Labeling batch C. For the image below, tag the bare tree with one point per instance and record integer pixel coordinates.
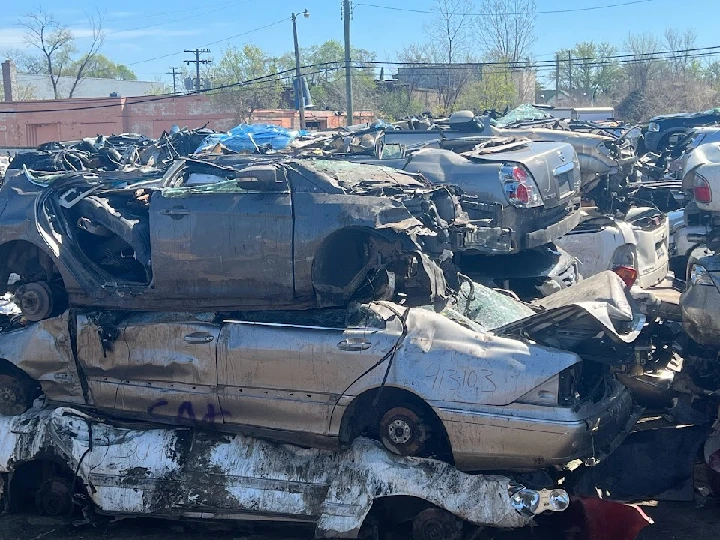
(679, 45)
(507, 29)
(56, 44)
(643, 62)
(441, 63)
(450, 30)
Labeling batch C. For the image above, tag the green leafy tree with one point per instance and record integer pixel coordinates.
(496, 90)
(325, 75)
(100, 66)
(245, 80)
(588, 70)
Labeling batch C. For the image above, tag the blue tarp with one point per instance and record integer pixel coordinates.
(247, 137)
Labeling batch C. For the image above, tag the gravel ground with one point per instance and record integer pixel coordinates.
(673, 521)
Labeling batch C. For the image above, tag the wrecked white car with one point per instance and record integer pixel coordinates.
(639, 243)
(423, 383)
(55, 458)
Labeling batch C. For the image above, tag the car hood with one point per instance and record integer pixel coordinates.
(597, 308)
(438, 348)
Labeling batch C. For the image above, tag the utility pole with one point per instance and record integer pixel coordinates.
(299, 86)
(197, 63)
(570, 73)
(557, 79)
(175, 72)
(347, 14)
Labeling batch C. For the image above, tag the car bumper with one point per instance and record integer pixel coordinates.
(483, 441)
(553, 232)
(700, 306)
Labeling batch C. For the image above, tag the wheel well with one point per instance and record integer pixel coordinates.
(362, 416)
(352, 247)
(8, 368)
(27, 260)
(26, 478)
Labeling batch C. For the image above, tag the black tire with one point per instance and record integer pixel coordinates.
(35, 300)
(437, 524)
(678, 266)
(404, 431)
(55, 497)
(16, 395)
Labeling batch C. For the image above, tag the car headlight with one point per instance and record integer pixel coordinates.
(548, 393)
(699, 275)
(530, 502)
(653, 126)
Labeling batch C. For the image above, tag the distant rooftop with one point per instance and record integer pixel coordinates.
(39, 87)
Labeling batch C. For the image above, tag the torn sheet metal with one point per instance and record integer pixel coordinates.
(44, 352)
(595, 307)
(178, 473)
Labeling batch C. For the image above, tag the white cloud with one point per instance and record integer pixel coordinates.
(146, 32)
(122, 14)
(12, 37)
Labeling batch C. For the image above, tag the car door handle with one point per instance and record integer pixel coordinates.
(176, 212)
(354, 344)
(199, 338)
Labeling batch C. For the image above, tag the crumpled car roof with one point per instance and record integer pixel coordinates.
(353, 176)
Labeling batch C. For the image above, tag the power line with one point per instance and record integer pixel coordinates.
(272, 79)
(545, 12)
(211, 43)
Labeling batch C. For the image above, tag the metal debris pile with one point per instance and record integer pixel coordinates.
(438, 323)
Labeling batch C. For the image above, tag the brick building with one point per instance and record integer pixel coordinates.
(30, 123)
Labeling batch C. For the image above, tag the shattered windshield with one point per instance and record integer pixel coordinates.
(480, 308)
(522, 113)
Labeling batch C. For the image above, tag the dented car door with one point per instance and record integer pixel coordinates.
(156, 366)
(224, 238)
(288, 377)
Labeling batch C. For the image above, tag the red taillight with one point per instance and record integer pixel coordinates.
(522, 194)
(627, 274)
(701, 189)
(519, 187)
(519, 174)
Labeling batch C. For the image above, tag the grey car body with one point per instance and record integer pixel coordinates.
(700, 303)
(600, 157)
(508, 398)
(475, 164)
(213, 236)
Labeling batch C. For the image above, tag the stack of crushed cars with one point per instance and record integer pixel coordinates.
(297, 313)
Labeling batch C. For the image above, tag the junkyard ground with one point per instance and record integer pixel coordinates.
(673, 521)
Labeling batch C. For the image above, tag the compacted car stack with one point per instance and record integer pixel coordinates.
(340, 303)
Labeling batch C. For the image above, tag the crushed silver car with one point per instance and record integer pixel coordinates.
(533, 392)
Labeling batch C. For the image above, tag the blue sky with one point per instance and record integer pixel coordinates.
(141, 31)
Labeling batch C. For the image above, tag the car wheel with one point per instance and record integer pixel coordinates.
(403, 431)
(55, 497)
(16, 396)
(437, 524)
(35, 300)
